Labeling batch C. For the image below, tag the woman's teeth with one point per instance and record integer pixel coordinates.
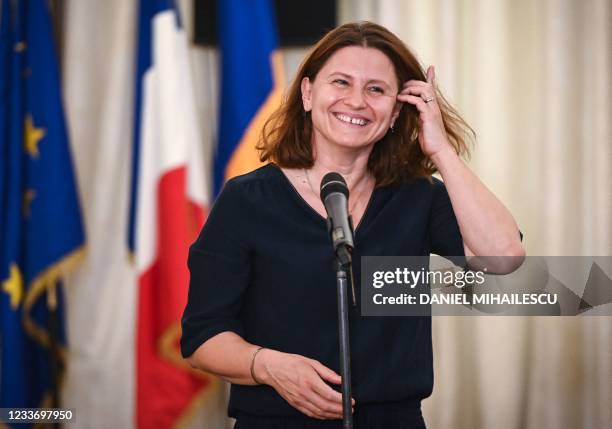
(355, 121)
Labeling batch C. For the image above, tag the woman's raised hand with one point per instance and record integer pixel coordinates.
(432, 135)
(301, 381)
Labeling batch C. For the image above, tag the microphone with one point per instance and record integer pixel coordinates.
(334, 194)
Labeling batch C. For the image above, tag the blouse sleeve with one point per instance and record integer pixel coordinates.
(444, 231)
(219, 271)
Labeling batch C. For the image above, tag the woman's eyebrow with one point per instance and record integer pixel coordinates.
(348, 76)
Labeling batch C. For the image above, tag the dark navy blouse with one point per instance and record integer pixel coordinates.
(262, 267)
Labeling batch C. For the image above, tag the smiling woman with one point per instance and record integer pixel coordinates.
(262, 311)
(353, 101)
(381, 64)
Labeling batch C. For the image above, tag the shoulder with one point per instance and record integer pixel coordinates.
(245, 183)
(254, 188)
(437, 186)
(239, 195)
(424, 195)
(263, 175)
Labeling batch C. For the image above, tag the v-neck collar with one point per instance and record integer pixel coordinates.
(311, 210)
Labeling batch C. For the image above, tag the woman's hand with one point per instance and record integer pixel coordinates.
(432, 135)
(301, 382)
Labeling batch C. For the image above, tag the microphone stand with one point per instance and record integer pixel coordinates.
(343, 267)
(340, 229)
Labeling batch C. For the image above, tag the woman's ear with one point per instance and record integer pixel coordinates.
(395, 114)
(306, 94)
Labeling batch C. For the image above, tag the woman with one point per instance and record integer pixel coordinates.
(262, 311)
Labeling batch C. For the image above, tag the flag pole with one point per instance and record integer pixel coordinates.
(53, 344)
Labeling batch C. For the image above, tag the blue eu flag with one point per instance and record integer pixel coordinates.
(41, 235)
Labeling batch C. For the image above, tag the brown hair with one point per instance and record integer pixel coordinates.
(286, 136)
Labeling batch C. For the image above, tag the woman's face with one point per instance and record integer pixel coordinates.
(352, 99)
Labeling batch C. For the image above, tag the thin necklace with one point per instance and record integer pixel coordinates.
(355, 198)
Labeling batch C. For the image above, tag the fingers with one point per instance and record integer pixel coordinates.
(421, 94)
(431, 75)
(325, 407)
(316, 399)
(416, 101)
(324, 396)
(325, 404)
(422, 89)
(418, 83)
(311, 409)
(302, 383)
(323, 389)
(326, 392)
(325, 373)
(308, 407)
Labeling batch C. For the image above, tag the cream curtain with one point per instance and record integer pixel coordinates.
(532, 78)
(99, 40)
(97, 67)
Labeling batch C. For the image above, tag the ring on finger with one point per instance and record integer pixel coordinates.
(428, 99)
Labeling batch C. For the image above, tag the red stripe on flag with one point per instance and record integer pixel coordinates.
(165, 383)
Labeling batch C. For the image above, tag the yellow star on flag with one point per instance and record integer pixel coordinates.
(32, 137)
(28, 197)
(20, 46)
(14, 286)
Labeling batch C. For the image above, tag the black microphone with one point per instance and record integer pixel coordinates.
(334, 194)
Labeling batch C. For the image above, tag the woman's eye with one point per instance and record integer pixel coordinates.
(340, 82)
(377, 89)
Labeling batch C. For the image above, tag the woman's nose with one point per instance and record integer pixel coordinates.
(356, 98)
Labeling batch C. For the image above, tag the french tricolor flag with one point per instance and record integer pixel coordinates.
(170, 196)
